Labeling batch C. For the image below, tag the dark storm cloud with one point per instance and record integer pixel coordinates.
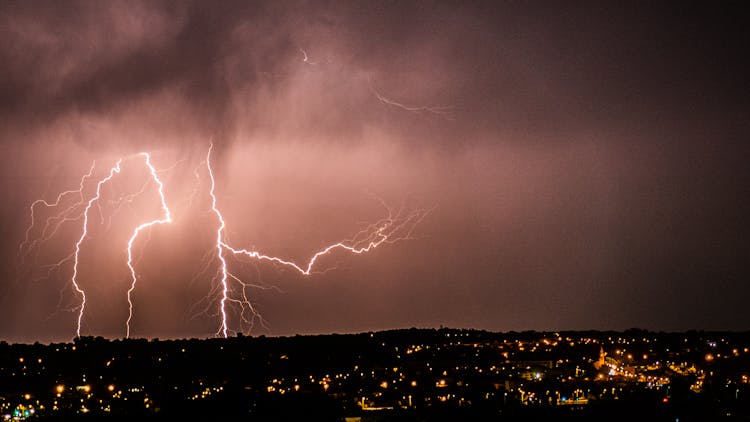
(502, 69)
(588, 160)
(96, 59)
(212, 61)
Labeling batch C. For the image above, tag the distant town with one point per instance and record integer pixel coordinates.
(410, 374)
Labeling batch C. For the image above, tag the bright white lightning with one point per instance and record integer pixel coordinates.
(219, 243)
(375, 239)
(74, 279)
(391, 229)
(166, 219)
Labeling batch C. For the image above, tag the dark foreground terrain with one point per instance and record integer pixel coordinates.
(400, 375)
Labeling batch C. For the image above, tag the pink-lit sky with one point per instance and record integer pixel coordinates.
(586, 163)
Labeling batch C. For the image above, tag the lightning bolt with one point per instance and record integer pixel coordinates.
(442, 111)
(74, 279)
(396, 226)
(378, 236)
(391, 229)
(63, 216)
(165, 220)
(219, 243)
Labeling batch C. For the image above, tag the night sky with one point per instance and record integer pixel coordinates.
(585, 163)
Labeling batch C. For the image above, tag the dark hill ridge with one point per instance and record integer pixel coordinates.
(427, 374)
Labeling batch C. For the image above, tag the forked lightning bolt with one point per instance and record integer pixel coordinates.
(84, 232)
(393, 228)
(166, 219)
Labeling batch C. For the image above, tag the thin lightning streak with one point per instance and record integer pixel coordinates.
(62, 217)
(305, 58)
(121, 202)
(246, 304)
(443, 111)
(167, 219)
(74, 279)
